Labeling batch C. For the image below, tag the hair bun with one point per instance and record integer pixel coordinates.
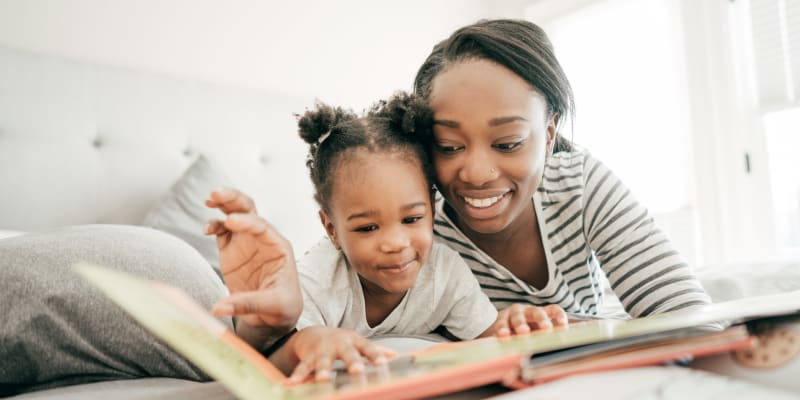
(407, 113)
(321, 120)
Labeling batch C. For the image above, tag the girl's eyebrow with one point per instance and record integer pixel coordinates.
(446, 122)
(363, 214)
(368, 213)
(492, 122)
(415, 205)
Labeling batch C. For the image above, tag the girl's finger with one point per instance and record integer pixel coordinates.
(215, 227)
(375, 354)
(230, 200)
(302, 370)
(322, 367)
(351, 358)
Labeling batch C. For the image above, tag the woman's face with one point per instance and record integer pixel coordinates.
(492, 133)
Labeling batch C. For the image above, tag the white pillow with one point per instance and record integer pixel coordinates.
(182, 211)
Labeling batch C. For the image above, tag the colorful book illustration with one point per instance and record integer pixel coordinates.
(517, 361)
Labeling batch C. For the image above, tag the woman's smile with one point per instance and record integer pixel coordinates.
(486, 205)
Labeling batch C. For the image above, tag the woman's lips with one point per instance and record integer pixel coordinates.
(485, 207)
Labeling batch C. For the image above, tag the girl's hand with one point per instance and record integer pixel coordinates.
(525, 318)
(257, 266)
(317, 347)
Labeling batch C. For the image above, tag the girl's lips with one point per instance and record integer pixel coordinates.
(397, 268)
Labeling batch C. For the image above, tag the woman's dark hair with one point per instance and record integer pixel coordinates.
(398, 125)
(518, 45)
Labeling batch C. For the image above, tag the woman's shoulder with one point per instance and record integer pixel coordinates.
(564, 171)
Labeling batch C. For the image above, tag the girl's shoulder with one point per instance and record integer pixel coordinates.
(322, 265)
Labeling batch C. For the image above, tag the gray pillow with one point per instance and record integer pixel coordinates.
(57, 330)
(182, 211)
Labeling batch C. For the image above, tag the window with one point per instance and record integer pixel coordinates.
(772, 55)
(624, 59)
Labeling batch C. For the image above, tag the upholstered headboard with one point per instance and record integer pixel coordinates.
(82, 143)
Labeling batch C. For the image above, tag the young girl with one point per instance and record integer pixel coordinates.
(380, 272)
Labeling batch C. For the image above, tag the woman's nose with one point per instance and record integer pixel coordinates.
(478, 169)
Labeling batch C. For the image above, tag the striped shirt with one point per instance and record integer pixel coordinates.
(592, 229)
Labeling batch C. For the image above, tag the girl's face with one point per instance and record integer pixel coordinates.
(492, 133)
(381, 218)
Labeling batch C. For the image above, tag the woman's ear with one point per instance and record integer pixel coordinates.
(330, 229)
(552, 132)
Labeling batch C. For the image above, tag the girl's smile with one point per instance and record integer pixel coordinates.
(381, 217)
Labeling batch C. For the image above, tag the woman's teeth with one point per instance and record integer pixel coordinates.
(483, 203)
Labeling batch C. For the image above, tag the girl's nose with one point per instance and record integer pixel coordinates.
(394, 240)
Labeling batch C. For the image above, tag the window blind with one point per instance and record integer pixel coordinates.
(775, 27)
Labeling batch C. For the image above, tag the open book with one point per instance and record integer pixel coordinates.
(517, 361)
(181, 323)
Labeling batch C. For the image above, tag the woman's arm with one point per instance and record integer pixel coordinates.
(644, 269)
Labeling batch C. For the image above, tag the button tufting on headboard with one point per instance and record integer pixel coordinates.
(153, 127)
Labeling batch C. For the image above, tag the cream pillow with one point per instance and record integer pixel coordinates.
(182, 211)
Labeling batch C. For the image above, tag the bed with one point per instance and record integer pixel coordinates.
(105, 157)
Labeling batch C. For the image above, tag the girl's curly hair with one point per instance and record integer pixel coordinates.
(403, 125)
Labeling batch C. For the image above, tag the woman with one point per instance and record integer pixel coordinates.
(536, 219)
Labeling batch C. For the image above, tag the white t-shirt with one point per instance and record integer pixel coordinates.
(445, 294)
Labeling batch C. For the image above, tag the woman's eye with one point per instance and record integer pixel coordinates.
(367, 228)
(507, 147)
(447, 149)
(411, 220)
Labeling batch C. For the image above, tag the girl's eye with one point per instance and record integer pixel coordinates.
(508, 147)
(367, 228)
(448, 149)
(411, 220)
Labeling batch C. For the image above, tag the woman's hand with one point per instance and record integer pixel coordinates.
(258, 267)
(314, 349)
(525, 318)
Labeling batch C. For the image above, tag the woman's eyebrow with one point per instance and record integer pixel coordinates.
(492, 122)
(505, 120)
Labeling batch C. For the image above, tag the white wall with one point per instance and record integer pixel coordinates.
(349, 52)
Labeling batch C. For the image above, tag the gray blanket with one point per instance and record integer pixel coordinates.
(57, 330)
